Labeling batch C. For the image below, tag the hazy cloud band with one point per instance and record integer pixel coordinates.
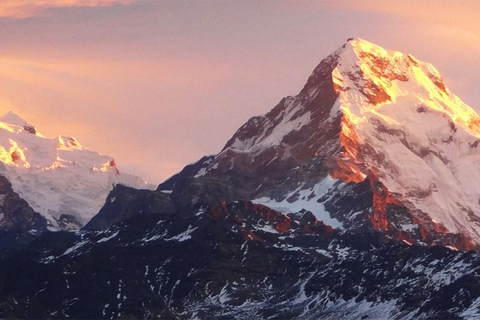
(26, 8)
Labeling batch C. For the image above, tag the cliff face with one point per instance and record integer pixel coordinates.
(16, 214)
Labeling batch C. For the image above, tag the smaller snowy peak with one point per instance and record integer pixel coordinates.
(13, 122)
(59, 178)
(13, 118)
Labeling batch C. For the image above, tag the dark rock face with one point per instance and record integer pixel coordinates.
(124, 202)
(15, 213)
(233, 261)
(30, 129)
(351, 204)
(19, 223)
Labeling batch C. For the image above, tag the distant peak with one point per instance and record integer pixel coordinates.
(12, 118)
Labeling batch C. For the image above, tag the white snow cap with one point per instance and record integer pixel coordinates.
(57, 176)
(13, 119)
(419, 139)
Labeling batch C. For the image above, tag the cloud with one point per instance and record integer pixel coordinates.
(19, 9)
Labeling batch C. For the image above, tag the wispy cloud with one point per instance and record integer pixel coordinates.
(18, 9)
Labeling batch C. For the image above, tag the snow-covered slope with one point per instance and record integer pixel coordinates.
(59, 178)
(402, 127)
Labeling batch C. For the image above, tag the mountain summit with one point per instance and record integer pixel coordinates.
(402, 128)
(13, 119)
(368, 121)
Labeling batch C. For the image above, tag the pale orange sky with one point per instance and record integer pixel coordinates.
(158, 84)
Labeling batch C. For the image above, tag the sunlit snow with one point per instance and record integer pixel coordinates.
(57, 176)
(424, 138)
(306, 201)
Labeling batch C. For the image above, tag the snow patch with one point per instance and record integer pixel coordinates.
(306, 201)
(105, 239)
(184, 235)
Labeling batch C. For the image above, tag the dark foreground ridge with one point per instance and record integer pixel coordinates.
(230, 261)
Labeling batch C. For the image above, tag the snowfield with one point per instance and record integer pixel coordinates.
(59, 178)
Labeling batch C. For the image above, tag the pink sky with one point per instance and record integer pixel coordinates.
(158, 84)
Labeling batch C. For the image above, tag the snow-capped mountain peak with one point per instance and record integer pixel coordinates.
(59, 178)
(384, 77)
(367, 116)
(14, 119)
(402, 127)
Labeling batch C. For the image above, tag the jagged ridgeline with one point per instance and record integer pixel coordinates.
(358, 198)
